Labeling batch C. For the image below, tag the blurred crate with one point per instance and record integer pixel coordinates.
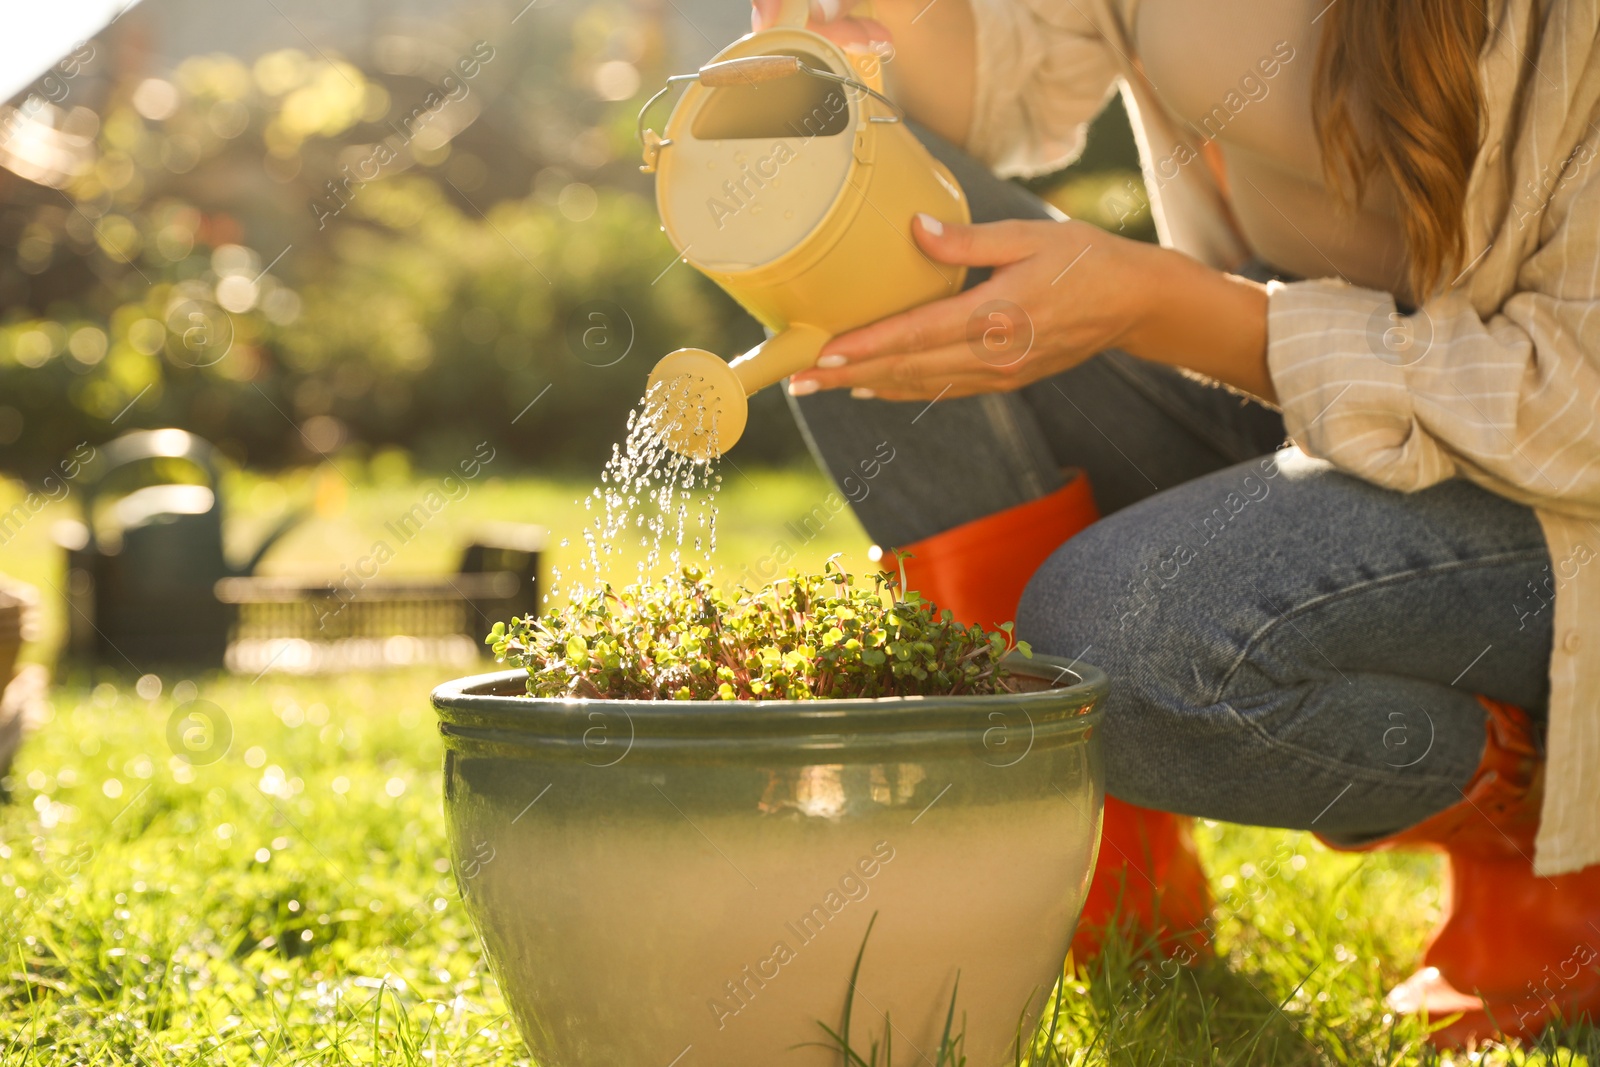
(21, 692)
(19, 615)
(312, 625)
(272, 608)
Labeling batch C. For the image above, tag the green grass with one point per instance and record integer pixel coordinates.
(293, 902)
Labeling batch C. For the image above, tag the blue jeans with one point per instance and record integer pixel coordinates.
(1288, 645)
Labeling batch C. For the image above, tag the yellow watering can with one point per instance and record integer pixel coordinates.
(785, 176)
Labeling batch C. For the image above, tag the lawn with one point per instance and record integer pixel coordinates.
(293, 901)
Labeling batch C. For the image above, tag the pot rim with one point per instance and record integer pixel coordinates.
(495, 708)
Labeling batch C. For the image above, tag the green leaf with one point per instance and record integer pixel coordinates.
(805, 637)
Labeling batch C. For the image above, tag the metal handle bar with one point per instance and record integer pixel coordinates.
(753, 70)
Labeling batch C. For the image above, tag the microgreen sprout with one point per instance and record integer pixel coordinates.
(803, 637)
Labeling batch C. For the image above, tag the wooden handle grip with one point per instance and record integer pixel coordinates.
(749, 70)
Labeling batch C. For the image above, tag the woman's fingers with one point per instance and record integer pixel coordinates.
(910, 374)
(943, 322)
(983, 244)
(1011, 329)
(853, 34)
(936, 388)
(763, 13)
(952, 389)
(824, 17)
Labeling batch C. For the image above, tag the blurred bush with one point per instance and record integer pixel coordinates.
(218, 259)
(438, 331)
(222, 265)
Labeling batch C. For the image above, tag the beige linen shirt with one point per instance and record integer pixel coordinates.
(1496, 379)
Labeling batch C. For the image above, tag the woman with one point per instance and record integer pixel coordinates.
(1385, 633)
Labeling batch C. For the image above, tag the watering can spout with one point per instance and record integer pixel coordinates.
(698, 400)
(787, 352)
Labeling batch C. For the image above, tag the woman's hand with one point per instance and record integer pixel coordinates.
(1060, 293)
(828, 18)
(926, 51)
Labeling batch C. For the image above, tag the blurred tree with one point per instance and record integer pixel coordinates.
(297, 256)
(301, 254)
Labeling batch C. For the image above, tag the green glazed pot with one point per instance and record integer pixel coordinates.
(688, 883)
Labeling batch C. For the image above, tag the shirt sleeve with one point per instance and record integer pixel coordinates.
(1510, 399)
(1043, 73)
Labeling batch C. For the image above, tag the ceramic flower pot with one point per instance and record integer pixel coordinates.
(689, 883)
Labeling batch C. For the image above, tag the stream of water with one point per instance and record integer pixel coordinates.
(651, 492)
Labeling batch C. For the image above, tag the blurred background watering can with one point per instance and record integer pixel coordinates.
(141, 574)
(786, 177)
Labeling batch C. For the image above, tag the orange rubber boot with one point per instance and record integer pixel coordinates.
(1515, 950)
(1149, 880)
(1148, 871)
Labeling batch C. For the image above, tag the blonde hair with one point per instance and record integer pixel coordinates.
(1397, 93)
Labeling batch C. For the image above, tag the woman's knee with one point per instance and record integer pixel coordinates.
(1089, 603)
(1067, 602)
(1097, 597)
(1165, 591)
